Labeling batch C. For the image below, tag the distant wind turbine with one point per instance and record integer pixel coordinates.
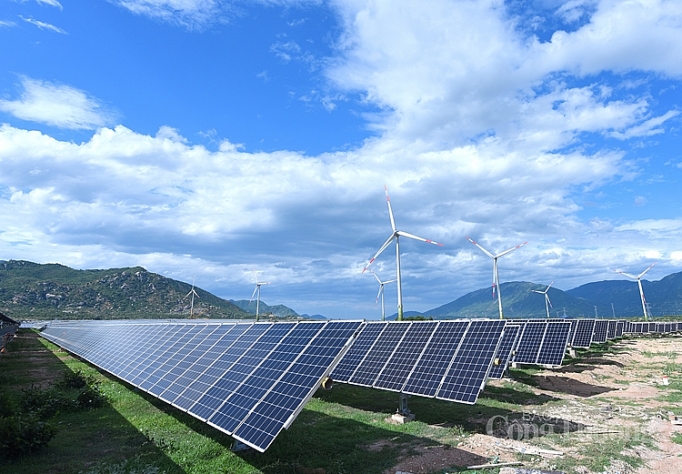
(395, 235)
(496, 276)
(193, 293)
(381, 293)
(547, 302)
(641, 291)
(256, 291)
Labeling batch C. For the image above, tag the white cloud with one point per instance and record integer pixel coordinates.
(57, 105)
(44, 26)
(52, 3)
(647, 128)
(7, 24)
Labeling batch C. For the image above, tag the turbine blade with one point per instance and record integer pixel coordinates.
(549, 301)
(383, 247)
(484, 250)
(411, 236)
(510, 250)
(381, 288)
(627, 275)
(390, 211)
(375, 276)
(253, 294)
(390, 281)
(550, 285)
(642, 274)
(536, 291)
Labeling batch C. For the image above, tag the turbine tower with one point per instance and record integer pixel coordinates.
(256, 291)
(547, 302)
(496, 276)
(381, 293)
(641, 291)
(193, 293)
(395, 235)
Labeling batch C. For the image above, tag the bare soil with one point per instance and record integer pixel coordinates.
(595, 402)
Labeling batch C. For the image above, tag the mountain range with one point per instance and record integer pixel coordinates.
(51, 291)
(608, 298)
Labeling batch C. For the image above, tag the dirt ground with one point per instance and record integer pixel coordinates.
(600, 401)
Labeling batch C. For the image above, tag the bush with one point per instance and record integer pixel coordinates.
(44, 403)
(21, 435)
(75, 380)
(90, 397)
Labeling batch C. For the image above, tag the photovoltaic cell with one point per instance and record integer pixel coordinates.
(620, 325)
(511, 335)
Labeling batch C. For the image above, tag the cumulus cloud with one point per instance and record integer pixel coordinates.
(57, 105)
(482, 130)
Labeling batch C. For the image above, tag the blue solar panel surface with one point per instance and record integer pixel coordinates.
(249, 380)
(507, 344)
(583, 333)
(554, 344)
(530, 341)
(600, 331)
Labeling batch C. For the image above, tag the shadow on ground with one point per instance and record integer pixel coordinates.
(91, 441)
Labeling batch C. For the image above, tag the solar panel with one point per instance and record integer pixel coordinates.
(363, 343)
(583, 333)
(620, 326)
(249, 380)
(554, 344)
(600, 331)
(504, 354)
(529, 342)
(611, 329)
(399, 366)
(381, 351)
(469, 369)
(427, 373)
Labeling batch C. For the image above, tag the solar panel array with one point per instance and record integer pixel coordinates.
(449, 360)
(248, 380)
(251, 380)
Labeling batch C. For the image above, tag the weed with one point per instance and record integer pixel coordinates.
(677, 438)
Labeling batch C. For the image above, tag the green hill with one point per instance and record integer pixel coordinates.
(53, 291)
(279, 310)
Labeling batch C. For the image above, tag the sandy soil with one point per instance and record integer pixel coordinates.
(611, 396)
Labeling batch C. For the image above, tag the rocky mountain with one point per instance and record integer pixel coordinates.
(279, 311)
(52, 291)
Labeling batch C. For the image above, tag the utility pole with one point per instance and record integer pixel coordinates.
(595, 312)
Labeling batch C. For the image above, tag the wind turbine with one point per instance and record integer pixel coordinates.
(193, 293)
(496, 276)
(381, 293)
(395, 235)
(641, 291)
(256, 290)
(547, 302)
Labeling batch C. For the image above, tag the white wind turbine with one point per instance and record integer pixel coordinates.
(395, 235)
(256, 291)
(496, 276)
(547, 302)
(641, 291)
(193, 293)
(381, 293)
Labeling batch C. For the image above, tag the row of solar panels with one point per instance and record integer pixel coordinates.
(251, 380)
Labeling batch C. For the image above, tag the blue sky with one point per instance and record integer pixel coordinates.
(212, 139)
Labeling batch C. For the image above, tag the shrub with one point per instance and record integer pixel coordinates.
(90, 397)
(21, 435)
